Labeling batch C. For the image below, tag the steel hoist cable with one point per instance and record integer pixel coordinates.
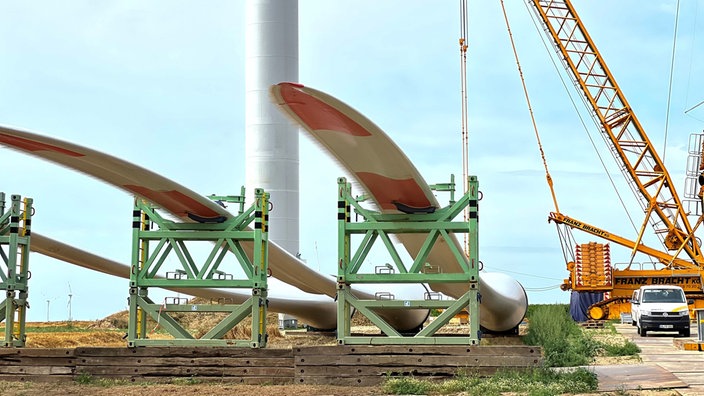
(464, 44)
(581, 119)
(669, 89)
(530, 108)
(566, 237)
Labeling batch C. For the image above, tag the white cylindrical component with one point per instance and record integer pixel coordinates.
(504, 301)
(271, 141)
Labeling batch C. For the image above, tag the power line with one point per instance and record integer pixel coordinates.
(542, 289)
(530, 275)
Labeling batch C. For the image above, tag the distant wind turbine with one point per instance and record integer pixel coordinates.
(70, 295)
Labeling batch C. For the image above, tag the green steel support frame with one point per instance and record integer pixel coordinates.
(15, 232)
(150, 248)
(374, 226)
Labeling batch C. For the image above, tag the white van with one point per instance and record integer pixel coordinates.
(660, 308)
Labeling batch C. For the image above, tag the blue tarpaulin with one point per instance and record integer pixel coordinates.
(580, 301)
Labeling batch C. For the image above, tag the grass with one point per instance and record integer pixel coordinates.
(64, 329)
(86, 379)
(538, 381)
(564, 343)
(186, 381)
(627, 349)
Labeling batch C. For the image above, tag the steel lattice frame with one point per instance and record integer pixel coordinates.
(642, 167)
(150, 248)
(15, 234)
(376, 226)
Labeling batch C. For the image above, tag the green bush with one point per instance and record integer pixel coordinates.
(84, 378)
(563, 342)
(627, 349)
(407, 386)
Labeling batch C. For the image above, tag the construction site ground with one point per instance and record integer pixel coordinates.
(663, 364)
(661, 369)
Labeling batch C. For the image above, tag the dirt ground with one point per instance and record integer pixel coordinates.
(36, 389)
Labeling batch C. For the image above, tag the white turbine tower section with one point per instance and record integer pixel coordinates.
(271, 142)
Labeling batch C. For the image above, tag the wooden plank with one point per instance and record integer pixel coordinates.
(334, 365)
(180, 361)
(341, 381)
(491, 350)
(663, 358)
(659, 350)
(36, 370)
(693, 390)
(684, 367)
(205, 379)
(54, 378)
(367, 370)
(16, 360)
(38, 352)
(693, 378)
(351, 381)
(415, 360)
(187, 371)
(183, 352)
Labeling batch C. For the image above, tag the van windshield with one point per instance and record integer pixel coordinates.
(663, 295)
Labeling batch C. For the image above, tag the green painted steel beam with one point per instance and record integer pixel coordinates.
(3, 314)
(422, 256)
(15, 227)
(406, 340)
(450, 311)
(159, 315)
(372, 316)
(416, 226)
(201, 283)
(254, 307)
(171, 244)
(193, 235)
(456, 277)
(190, 343)
(373, 226)
(408, 304)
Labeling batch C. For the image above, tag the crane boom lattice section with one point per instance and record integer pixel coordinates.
(634, 153)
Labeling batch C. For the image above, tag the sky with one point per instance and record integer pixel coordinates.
(161, 84)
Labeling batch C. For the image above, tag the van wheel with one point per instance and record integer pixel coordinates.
(642, 331)
(633, 323)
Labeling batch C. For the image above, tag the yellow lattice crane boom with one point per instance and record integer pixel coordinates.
(661, 256)
(627, 140)
(635, 155)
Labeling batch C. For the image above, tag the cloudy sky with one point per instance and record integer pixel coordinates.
(161, 84)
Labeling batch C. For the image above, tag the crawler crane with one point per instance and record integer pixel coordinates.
(643, 170)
